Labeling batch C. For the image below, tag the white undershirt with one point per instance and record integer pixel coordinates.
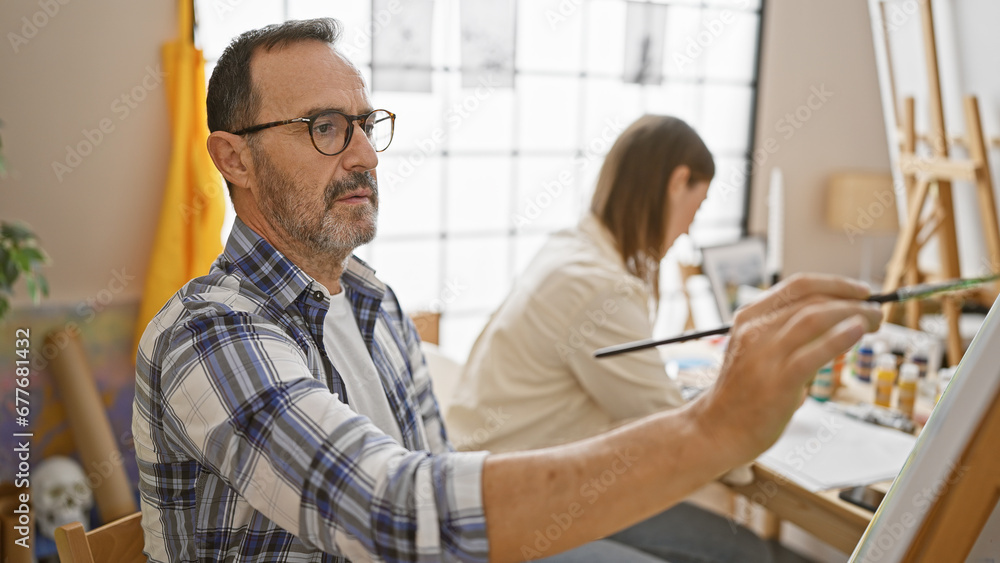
(348, 353)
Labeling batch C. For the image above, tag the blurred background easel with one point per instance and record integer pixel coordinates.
(929, 177)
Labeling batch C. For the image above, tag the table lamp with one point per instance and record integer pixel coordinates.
(862, 205)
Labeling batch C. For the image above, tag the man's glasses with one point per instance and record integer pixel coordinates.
(331, 130)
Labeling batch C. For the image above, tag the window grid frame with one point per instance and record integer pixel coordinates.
(512, 233)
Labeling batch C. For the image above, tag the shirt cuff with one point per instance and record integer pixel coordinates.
(460, 521)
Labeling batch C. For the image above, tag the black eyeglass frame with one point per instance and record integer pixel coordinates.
(310, 119)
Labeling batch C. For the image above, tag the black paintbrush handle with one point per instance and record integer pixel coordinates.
(917, 291)
(653, 342)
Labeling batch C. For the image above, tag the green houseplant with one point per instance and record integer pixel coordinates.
(20, 255)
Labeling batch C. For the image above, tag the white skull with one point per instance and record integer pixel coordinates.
(60, 495)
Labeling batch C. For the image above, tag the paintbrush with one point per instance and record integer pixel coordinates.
(920, 291)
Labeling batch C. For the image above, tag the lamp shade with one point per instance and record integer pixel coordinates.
(862, 202)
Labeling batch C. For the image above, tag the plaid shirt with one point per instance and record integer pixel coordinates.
(247, 449)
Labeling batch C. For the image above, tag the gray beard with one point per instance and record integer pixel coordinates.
(318, 233)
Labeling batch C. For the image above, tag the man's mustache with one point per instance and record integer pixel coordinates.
(356, 180)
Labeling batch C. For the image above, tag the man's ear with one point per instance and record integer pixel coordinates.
(229, 152)
(679, 180)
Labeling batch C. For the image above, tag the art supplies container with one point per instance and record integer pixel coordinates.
(865, 360)
(822, 385)
(885, 377)
(919, 358)
(908, 376)
(838, 370)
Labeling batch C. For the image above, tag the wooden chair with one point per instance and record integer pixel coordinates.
(120, 541)
(427, 323)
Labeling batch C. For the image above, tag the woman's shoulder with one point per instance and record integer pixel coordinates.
(570, 267)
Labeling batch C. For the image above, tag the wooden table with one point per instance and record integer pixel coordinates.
(822, 514)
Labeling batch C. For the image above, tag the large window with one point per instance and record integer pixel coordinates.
(482, 169)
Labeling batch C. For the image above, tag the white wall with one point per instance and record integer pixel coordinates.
(60, 79)
(814, 46)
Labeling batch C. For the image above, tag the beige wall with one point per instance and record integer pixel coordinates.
(97, 221)
(811, 46)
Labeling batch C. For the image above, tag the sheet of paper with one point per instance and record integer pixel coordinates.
(822, 450)
(401, 53)
(487, 43)
(645, 25)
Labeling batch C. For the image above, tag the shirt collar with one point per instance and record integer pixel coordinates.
(592, 228)
(277, 276)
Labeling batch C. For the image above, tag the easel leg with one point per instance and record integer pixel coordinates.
(952, 311)
(984, 188)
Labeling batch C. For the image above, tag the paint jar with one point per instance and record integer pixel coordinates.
(885, 377)
(865, 359)
(909, 374)
(919, 358)
(822, 385)
(879, 347)
(838, 370)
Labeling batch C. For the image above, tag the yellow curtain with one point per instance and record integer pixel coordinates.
(187, 237)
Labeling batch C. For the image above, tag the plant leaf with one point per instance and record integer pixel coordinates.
(32, 288)
(10, 271)
(4, 259)
(22, 261)
(34, 255)
(17, 232)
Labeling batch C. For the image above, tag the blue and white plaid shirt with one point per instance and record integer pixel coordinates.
(247, 449)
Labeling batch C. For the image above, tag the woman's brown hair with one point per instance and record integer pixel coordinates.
(631, 194)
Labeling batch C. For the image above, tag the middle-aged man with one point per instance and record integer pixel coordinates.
(283, 410)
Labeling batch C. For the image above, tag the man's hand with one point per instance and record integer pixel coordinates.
(777, 344)
(541, 502)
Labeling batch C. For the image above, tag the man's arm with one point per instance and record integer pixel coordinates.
(239, 398)
(542, 502)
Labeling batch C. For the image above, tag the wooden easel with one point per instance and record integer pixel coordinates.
(955, 521)
(927, 176)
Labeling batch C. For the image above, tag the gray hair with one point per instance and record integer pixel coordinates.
(232, 102)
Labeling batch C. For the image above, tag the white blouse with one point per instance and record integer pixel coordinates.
(531, 379)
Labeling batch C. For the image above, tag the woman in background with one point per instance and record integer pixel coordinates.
(531, 379)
